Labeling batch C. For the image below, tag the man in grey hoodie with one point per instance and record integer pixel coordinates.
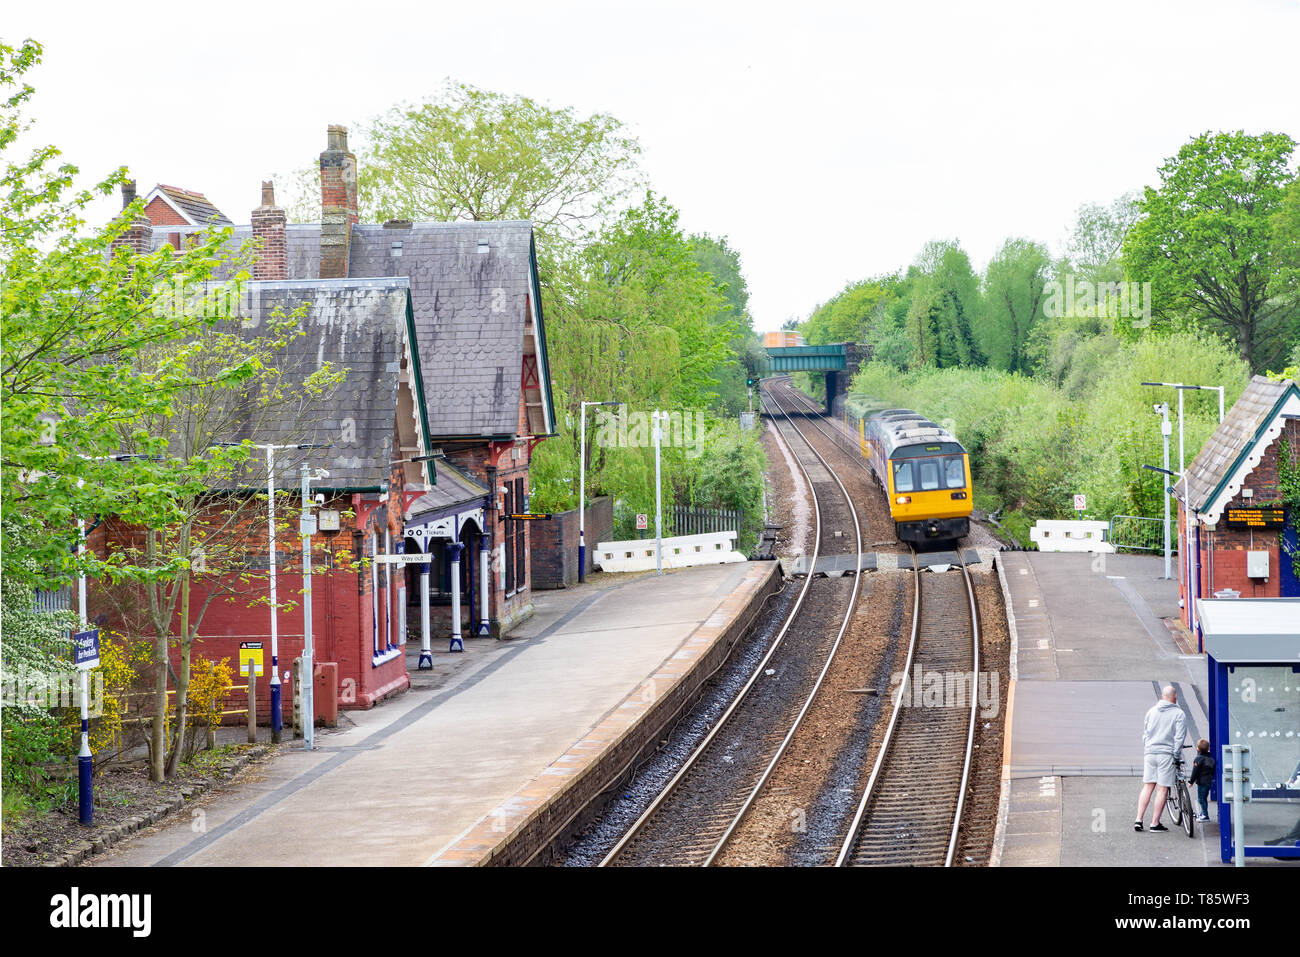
(1163, 732)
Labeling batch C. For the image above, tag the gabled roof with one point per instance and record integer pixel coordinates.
(1237, 445)
(478, 318)
(355, 324)
(474, 292)
(193, 207)
(455, 488)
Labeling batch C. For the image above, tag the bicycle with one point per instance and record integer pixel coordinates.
(1179, 801)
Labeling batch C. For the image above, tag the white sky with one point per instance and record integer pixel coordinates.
(828, 141)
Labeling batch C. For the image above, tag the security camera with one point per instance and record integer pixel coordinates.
(320, 499)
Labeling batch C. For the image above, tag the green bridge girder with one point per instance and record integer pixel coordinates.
(782, 359)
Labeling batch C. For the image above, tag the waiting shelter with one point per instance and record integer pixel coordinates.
(1252, 650)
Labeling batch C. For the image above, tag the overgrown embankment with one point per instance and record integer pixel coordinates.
(1036, 441)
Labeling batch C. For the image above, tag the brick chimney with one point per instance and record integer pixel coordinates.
(269, 227)
(139, 236)
(338, 200)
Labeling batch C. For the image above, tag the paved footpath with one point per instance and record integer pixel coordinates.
(1092, 651)
(415, 773)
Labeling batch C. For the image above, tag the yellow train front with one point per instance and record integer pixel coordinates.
(924, 471)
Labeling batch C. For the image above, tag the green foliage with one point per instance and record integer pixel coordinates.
(1014, 293)
(1033, 444)
(471, 154)
(945, 304)
(1097, 240)
(1217, 244)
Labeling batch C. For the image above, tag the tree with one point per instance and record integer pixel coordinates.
(721, 263)
(944, 304)
(1097, 240)
(471, 154)
(1208, 241)
(1014, 289)
(75, 313)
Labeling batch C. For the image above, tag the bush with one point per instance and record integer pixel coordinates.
(1085, 425)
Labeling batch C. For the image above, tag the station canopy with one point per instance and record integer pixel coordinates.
(1251, 630)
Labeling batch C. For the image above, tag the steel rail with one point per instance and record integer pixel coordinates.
(639, 824)
(830, 657)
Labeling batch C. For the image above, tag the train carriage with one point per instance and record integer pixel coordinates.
(924, 471)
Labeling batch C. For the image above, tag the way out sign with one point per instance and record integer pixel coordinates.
(1080, 503)
(86, 646)
(642, 521)
(250, 656)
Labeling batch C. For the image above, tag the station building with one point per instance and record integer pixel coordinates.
(1240, 536)
(1240, 597)
(432, 433)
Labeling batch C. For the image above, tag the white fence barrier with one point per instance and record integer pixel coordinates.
(1071, 536)
(680, 551)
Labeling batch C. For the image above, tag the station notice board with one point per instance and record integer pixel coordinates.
(1265, 516)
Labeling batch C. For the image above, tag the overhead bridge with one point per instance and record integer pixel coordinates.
(838, 360)
(784, 359)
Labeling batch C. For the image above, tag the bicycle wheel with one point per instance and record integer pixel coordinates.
(1189, 818)
(1175, 809)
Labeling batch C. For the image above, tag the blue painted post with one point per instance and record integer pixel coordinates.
(426, 650)
(453, 556)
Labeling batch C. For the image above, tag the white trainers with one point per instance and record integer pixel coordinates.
(1202, 817)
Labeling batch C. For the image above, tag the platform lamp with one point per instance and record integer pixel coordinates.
(277, 720)
(582, 488)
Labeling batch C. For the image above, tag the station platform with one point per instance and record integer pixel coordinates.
(454, 768)
(1091, 649)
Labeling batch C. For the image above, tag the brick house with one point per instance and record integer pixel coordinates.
(447, 395)
(1235, 541)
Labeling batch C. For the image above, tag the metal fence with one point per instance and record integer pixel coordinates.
(685, 520)
(1140, 534)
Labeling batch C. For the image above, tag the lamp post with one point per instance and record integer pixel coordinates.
(1182, 387)
(1166, 429)
(582, 489)
(277, 720)
(659, 531)
(307, 527)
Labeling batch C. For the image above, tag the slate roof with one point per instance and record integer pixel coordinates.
(1240, 430)
(355, 324)
(469, 308)
(454, 488)
(193, 206)
(469, 285)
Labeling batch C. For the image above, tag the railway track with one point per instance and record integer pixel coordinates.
(911, 808)
(692, 819)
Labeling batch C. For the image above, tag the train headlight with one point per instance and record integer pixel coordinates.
(903, 499)
(958, 494)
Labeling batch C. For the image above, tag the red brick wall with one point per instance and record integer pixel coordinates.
(1223, 549)
(160, 213)
(342, 605)
(273, 257)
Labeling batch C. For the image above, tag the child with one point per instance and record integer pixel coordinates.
(1202, 776)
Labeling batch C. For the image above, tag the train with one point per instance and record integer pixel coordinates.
(782, 339)
(924, 471)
